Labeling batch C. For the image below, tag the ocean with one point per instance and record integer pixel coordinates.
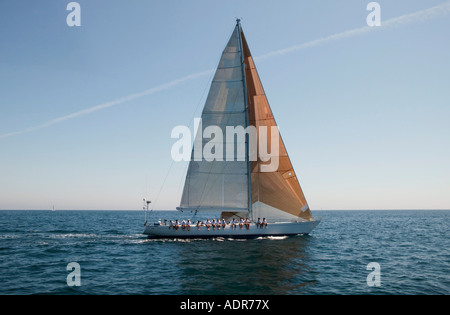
(349, 253)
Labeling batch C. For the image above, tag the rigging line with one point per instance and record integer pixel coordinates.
(208, 84)
(162, 185)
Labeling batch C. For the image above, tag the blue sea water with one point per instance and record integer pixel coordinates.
(412, 249)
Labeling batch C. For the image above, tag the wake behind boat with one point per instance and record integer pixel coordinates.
(239, 179)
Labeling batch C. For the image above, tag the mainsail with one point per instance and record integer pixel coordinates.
(239, 186)
(220, 184)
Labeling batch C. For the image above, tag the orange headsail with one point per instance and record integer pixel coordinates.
(280, 189)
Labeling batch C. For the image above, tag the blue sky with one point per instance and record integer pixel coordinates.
(86, 113)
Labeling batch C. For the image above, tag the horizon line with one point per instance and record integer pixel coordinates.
(141, 210)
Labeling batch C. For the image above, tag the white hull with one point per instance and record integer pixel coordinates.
(273, 229)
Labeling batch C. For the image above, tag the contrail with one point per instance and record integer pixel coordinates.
(420, 16)
(122, 100)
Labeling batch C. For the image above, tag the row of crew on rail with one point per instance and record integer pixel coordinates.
(215, 224)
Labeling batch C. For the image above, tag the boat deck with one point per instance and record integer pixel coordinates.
(272, 229)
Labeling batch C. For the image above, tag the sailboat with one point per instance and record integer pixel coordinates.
(240, 188)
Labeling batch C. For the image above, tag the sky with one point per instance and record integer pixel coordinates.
(86, 113)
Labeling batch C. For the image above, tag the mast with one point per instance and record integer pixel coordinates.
(247, 120)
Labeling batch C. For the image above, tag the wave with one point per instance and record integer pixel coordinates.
(74, 235)
(276, 238)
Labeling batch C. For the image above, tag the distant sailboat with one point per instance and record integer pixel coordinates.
(53, 208)
(240, 188)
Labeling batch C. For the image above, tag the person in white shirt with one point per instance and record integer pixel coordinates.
(208, 224)
(247, 223)
(218, 224)
(258, 223)
(264, 223)
(188, 224)
(233, 224)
